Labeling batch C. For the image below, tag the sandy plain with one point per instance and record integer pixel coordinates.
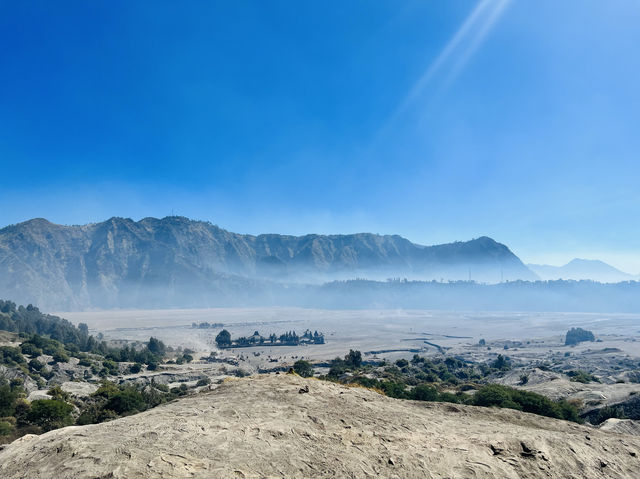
(379, 333)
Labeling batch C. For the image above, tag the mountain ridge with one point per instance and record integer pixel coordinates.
(113, 262)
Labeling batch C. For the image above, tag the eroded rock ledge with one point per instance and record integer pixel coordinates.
(262, 426)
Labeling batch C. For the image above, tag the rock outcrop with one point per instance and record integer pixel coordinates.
(262, 426)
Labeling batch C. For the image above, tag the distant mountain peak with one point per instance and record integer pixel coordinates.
(582, 269)
(582, 261)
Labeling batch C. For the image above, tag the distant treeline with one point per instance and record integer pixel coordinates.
(29, 320)
(206, 325)
(560, 295)
(46, 332)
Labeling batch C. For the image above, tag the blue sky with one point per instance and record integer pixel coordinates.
(435, 120)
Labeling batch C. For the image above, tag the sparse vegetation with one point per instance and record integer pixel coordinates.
(45, 336)
(582, 377)
(503, 396)
(447, 380)
(609, 412)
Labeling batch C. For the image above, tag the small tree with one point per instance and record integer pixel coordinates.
(30, 349)
(50, 413)
(7, 426)
(35, 365)
(424, 392)
(223, 339)
(156, 346)
(353, 359)
(60, 357)
(501, 363)
(8, 398)
(84, 329)
(125, 401)
(578, 335)
(203, 381)
(303, 368)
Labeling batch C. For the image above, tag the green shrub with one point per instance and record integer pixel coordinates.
(502, 363)
(135, 368)
(8, 398)
(395, 389)
(57, 393)
(303, 368)
(106, 390)
(203, 382)
(30, 349)
(503, 396)
(608, 413)
(494, 395)
(11, 356)
(353, 359)
(50, 414)
(125, 401)
(60, 357)
(449, 397)
(6, 428)
(35, 365)
(424, 392)
(94, 415)
(582, 377)
(402, 363)
(111, 367)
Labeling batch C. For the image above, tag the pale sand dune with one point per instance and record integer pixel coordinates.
(263, 427)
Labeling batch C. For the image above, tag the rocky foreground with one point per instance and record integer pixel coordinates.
(268, 426)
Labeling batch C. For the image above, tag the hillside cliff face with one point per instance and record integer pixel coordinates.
(263, 426)
(121, 262)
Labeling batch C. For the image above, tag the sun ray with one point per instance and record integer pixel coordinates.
(457, 52)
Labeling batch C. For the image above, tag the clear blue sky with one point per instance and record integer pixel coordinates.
(436, 120)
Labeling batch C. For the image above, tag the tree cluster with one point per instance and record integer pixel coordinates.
(578, 335)
(289, 338)
(29, 320)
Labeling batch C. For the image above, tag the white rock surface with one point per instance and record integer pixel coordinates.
(262, 426)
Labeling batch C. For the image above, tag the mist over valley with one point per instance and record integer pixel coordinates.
(175, 262)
